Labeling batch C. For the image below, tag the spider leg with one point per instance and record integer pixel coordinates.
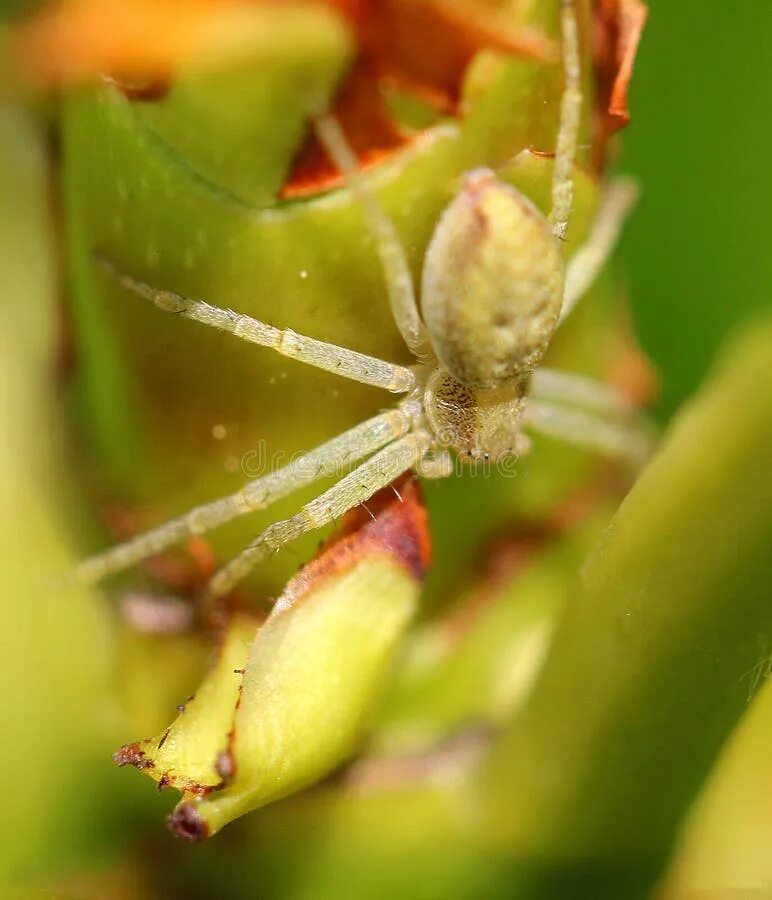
(589, 259)
(341, 361)
(399, 282)
(625, 435)
(568, 388)
(325, 460)
(436, 464)
(355, 488)
(568, 129)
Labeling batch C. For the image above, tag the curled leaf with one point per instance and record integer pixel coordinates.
(618, 28)
(185, 755)
(275, 716)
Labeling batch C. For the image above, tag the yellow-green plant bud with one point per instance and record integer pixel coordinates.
(282, 710)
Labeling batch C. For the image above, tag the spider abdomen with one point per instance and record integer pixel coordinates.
(492, 284)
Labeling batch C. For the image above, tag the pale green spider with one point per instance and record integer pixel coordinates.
(494, 290)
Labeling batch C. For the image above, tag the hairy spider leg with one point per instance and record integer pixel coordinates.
(585, 265)
(340, 360)
(630, 438)
(325, 460)
(582, 391)
(397, 277)
(568, 128)
(355, 488)
(588, 413)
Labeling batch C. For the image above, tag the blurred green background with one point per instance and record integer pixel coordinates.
(700, 142)
(697, 266)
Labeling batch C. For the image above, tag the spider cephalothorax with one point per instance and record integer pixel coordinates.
(494, 290)
(482, 424)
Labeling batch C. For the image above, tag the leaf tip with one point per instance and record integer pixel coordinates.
(393, 524)
(133, 755)
(186, 822)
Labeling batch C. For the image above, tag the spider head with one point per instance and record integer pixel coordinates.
(482, 425)
(492, 285)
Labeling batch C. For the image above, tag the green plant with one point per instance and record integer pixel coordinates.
(541, 734)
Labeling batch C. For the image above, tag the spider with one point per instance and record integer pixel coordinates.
(494, 289)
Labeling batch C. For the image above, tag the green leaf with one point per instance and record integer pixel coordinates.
(648, 671)
(475, 665)
(56, 639)
(279, 712)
